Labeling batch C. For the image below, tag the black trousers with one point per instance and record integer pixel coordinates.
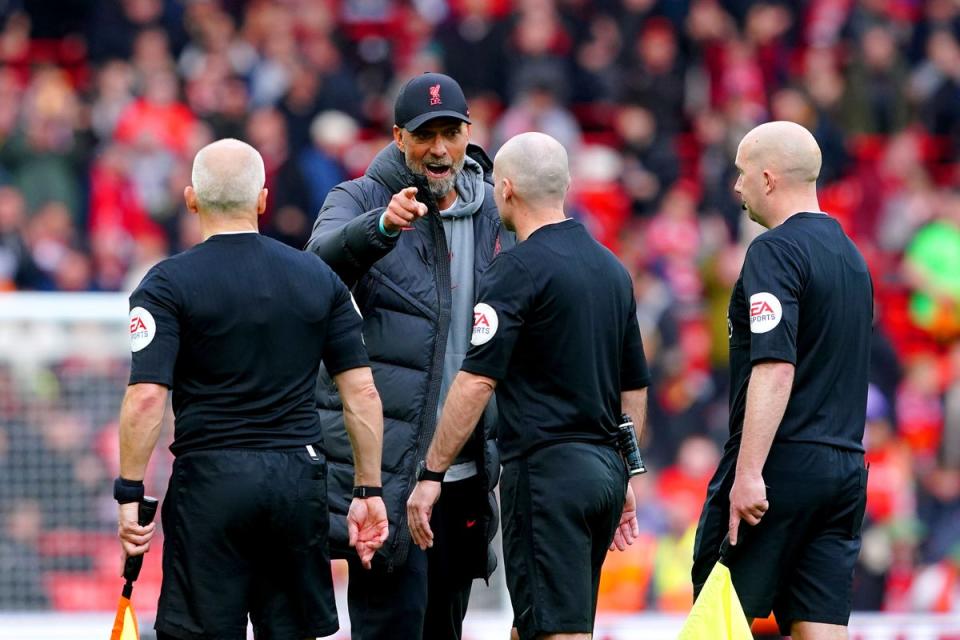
(426, 597)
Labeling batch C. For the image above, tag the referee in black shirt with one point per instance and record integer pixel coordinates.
(556, 334)
(237, 327)
(800, 321)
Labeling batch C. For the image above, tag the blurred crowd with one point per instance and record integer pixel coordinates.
(104, 102)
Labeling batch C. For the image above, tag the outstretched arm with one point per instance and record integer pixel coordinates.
(350, 238)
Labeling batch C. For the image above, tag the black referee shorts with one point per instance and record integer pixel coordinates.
(246, 532)
(798, 561)
(561, 507)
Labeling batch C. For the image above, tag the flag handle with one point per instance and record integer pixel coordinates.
(131, 568)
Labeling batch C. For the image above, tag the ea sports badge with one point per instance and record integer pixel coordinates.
(142, 328)
(765, 312)
(485, 323)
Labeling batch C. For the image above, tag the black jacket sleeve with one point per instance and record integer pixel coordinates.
(346, 235)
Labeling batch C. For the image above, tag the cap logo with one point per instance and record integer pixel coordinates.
(435, 95)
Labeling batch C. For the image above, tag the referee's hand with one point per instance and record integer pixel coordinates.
(367, 526)
(628, 530)
(404, 209)
(748, 502)
(419, 508)
(134, 539)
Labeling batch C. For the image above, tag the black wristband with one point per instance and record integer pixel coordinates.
(125, 491)
(367, 492)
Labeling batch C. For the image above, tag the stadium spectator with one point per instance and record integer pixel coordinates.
(21, 523)
(474, 34)
(940, 110)
(932, 267)
(17, 269)
(286, 218)
(875, 101)
(538, 49)
(650, 157)
(331, 134)
(114, 93)
(157, 119)
(44, 155)
(538, 108)
(656, 79)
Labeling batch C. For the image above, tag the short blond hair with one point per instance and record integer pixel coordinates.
(228, 176)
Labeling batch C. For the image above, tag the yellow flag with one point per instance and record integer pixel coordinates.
(717, 614)
(125, 624)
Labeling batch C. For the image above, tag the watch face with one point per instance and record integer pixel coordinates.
(425, 474)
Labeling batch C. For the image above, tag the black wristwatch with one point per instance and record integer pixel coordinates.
(425, 474)
(363, 491)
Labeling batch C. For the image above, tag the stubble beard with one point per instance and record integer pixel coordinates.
(438, 187)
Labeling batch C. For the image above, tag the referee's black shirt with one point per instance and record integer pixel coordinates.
(237, 327)
(805, 296)
(556, 325)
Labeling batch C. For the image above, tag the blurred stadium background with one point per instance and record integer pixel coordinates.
(104, 102)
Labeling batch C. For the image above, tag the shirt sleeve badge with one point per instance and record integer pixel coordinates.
(485, 323)
(143, 328)
(765, 312)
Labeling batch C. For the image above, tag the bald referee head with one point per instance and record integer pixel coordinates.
(778, 164)
(228, 187)
(531, 176)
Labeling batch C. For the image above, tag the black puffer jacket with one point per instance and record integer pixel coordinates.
(402, 287)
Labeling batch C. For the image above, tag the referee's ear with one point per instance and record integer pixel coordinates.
(770, 179)
(262, 202)
(508, 189)
(190, 197)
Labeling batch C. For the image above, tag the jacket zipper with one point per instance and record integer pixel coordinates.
(442, 261)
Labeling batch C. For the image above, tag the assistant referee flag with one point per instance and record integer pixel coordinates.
(717, 614)
(125, 624)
